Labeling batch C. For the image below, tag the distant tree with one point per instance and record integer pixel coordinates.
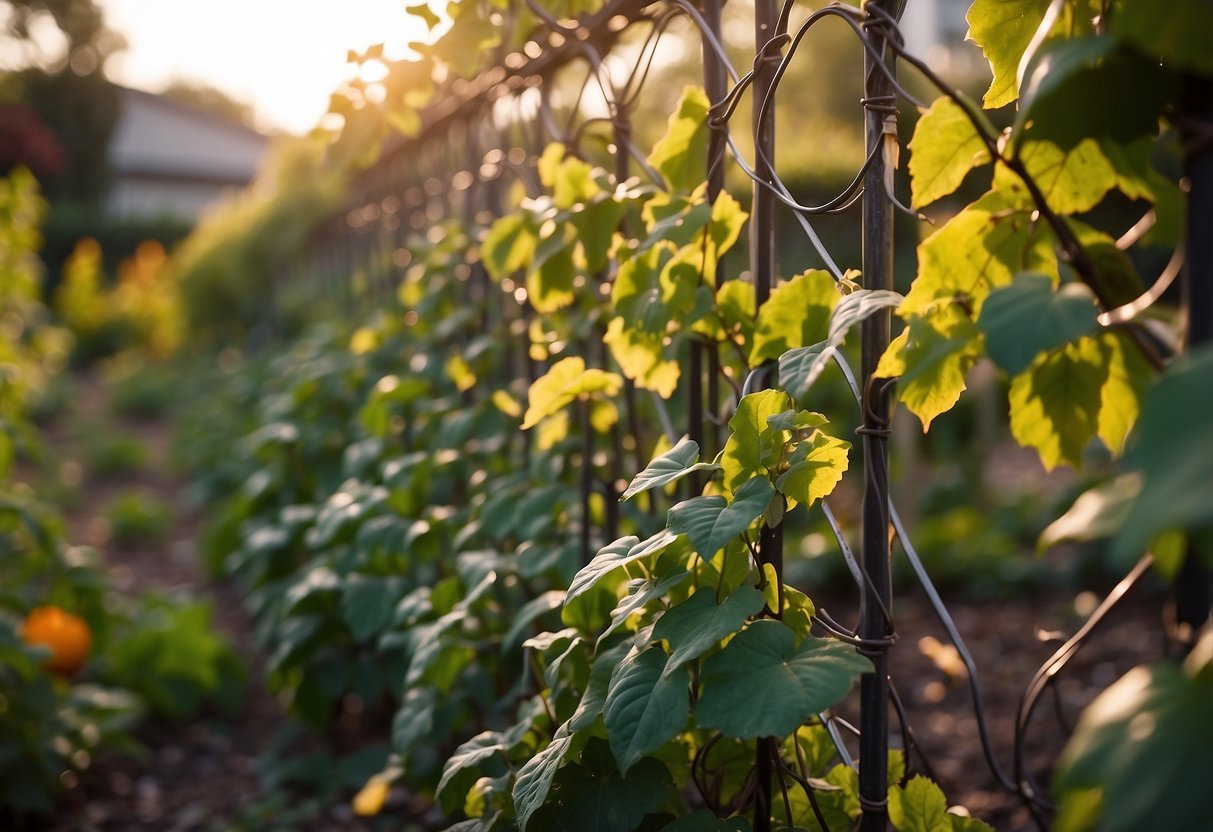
(69, 91)
(211, 100)
(26, 141)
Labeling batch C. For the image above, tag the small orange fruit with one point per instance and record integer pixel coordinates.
(67, 636)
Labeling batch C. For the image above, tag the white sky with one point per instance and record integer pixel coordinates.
(283, 56)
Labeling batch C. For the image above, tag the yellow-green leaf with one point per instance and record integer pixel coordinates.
(641, 357)
(753, 445)
(1003, 29)
(1072, 180)
(932, 357)
(796, 314)
(509, 245)
(944, 149)
(681, 154)
(568, 379)
(979, 249)
(816, 468)
(1055, 405)
(1129, 374)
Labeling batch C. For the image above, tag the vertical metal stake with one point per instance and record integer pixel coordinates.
(762, 268)
(877, 593)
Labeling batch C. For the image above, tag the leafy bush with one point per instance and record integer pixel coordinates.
(142, 389)
(141, 311)
(138, 516)
(167, 651)
(227, 267)
(111, 455)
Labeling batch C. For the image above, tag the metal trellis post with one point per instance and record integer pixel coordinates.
(881, 136)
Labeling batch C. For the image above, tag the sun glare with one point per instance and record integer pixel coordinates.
(283, 56)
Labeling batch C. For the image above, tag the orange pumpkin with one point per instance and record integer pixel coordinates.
(67, 636)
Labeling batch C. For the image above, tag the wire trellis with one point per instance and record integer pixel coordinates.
(459, 165)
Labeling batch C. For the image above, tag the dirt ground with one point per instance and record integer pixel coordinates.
(203, 775)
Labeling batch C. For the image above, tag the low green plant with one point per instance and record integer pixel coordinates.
(112, 455)
(141, 389)
(167, 650)
(138, 517)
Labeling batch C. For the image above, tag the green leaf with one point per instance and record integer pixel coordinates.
(815, 469)
(1091, 86)
(1180, 37)
(604, 801)
(681, 155)
(764, 685)
(670, 467)
(945, 147)
(919, 807)
(753, 445)
(509, 245)
(535, 777)
(614, 556)
(596, 224)
(1027, 318)
(479, 748)
(698, 624)
(367, 604)
(1098, 512)
(645, 706)
(931, 359)
(567, 380)
(1003, 29)
(1055, 405)
(1145, 741)
(711, 522)
(641, 592)
(550, 286)
(414, 719)
(1174, 453)
(595, 694)
(800, 368)
(526, 615)
(837, 796)
(796, 314)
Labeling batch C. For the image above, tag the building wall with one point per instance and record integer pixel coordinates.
(168, 158)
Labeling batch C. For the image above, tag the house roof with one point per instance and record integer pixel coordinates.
(163, 138)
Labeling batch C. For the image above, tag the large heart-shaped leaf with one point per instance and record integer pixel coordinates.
(645, 706)
(764, 685)
(711, 522)
(698, 624)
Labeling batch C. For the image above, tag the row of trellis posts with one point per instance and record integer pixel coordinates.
(457, 166)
